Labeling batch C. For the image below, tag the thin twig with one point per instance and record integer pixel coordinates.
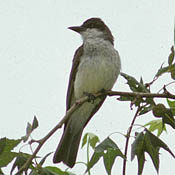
(127, 139)
(166, 86)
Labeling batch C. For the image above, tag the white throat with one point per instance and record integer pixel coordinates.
(92, 34)
(94, 42)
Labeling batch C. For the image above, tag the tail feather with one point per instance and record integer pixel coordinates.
(67, 149)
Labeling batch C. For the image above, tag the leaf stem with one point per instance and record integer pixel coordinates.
(89, 173)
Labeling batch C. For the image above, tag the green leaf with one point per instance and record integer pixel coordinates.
(141, 162)
(166, 114)
(109, 151)
(169, 119)
(171, 56)
(159, 110)
(134, 85)
(20, 160)
(30, 128)
(10, 144)
(35, 123)
(6, 156)
(173, 74)
(107, 143)
(137, 146)
(94, 159)
(147, 142)
(146, 109)
(156, 142)
(2, 144)
(153, 150)
(171, 69)
(28, 132)
(55, 171)
(141, 81)
(109, 158)
(137, 149)
(153, 144)
(171, 104)
(161, 71)
(93, 139)
(40, 171)
(84, 140)
(35, 172)
(156, 125)
(44, 158)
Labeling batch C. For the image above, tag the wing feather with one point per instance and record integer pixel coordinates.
(70, 92)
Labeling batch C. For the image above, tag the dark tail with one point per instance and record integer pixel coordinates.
(67, 149)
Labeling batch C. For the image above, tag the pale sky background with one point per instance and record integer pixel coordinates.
(36, 51)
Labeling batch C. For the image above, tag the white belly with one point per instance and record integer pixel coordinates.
(96, 73)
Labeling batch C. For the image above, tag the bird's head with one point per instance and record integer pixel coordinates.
(94, 28)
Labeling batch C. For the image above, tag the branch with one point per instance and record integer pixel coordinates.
(76, 105)
(141, 94)
(128, 137)
(44, 139)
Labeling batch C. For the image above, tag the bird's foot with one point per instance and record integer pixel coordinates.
(103, 92)
(91, 97)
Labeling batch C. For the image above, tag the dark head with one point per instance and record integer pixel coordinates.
(94, 27)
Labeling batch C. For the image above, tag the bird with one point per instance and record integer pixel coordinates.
(96, 66)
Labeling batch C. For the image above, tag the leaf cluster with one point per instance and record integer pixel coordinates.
(7, 155)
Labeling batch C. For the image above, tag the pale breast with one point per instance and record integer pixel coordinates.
(97, 71)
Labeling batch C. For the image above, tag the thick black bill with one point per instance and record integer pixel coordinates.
(77, 28)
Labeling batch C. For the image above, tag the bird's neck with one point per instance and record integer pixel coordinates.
(96, 44)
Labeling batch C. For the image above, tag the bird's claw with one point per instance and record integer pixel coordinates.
(91, 97)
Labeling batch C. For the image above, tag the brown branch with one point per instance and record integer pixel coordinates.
(44, 139)
(80, 102)
(127, 139)
(140, 94)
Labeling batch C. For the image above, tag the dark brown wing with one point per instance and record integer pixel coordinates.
(70, 92)
(76, 60)
(96, 108)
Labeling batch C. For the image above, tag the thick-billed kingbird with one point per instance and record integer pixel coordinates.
(96, 66)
